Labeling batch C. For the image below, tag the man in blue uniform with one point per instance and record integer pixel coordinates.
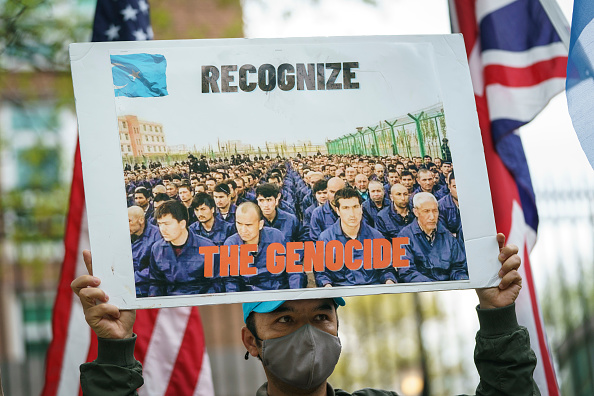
(427, 184)
(407, 180)
(347, 202)
(362, 184)
(208, 224)
(142, 237)
(320, 190)
(225, 208)
(397, 215)
(268, 197)
(142, 198)
(325, 215)
(449, 211)
(176, 265)
(376, 202)
(393, 178)
(309, 197)
(433, 253)
(251, 231)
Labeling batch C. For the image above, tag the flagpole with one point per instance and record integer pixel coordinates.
(558, 20)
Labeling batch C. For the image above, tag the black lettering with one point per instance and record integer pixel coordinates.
(226, 78)
(331, 83)
(347, 75)
(321, 77)
(286, 82)
(243, 79)
(306, 76)
(210, 75)
(266, 77)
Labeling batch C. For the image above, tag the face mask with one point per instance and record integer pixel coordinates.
(304, 358)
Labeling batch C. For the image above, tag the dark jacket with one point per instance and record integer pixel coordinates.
(220, 231)
(370, 211)
(321, 218)
(286, 223)
(390, 223)
(502, 356)
(349, 277)
(141, 257)
(441, 260)
(230, 218)
(183, 274)
(263, 280)
(449, 215)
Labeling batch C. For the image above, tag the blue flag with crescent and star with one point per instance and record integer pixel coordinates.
(139, 75)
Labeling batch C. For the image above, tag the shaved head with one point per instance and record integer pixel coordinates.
(248, 207)
(135, 212)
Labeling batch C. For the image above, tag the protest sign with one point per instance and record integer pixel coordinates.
(270, 114)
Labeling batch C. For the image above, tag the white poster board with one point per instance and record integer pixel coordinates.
(270, 97)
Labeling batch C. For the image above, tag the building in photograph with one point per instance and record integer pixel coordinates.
(141, 138)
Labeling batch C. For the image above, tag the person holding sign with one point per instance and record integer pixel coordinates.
(502, 354)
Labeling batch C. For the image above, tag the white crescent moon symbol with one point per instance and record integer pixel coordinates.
(119, 87)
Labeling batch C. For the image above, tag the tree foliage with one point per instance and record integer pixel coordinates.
(34, 34)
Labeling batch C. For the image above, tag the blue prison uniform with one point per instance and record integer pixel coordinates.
(441, 260)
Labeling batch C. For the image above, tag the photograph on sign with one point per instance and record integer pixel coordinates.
(275, 169)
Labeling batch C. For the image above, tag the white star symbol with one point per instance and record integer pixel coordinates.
(139, 35)
(143, 5)
(149, 33)
(113, 32)
(129, 13)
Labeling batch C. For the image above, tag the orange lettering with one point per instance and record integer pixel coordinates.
(334, 255)
(245, 259)
(382, 256)
(229, 260)
(398, 251)
(293, 256)
(348, 254)
(208, 252)
(367, 258)
(275, 264)
(313, 256)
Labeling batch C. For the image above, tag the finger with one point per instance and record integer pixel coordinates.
(83, 282)
(512, 277)
(507, 251)
(511, 263)
(98, 312)
(90, 295)
(88, 261)
(501, 240)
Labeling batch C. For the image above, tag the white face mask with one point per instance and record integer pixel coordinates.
(304, 358)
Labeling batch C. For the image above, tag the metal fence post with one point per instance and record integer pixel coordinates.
(417, 121)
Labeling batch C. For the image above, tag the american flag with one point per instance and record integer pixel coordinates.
(170, 342)
(517, 62)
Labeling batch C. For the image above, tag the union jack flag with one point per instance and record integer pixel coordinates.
(517, 62)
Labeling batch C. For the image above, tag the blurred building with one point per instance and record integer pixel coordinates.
(141, 138)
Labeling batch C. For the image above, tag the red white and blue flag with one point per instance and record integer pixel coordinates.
(170, 342)
(517, 62)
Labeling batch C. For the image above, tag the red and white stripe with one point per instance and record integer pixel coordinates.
(170, 342)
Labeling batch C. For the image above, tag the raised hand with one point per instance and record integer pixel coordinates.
(106, 320)
(511, 281)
